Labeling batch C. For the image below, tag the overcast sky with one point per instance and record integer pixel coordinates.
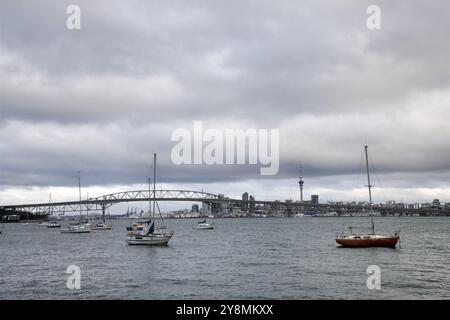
(104, 98)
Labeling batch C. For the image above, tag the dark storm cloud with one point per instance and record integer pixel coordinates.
(245, 56)
(103, 98)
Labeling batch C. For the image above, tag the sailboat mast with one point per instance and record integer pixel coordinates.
(370, 189)
(149, 193)
(154, 184)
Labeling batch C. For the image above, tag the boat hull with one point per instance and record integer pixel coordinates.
(387, 242)
(203, 227)
(102, 228)
(82, 229)
(75, 231)
(148, 240)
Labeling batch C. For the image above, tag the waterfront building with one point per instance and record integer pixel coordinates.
(252, 204)
(244, 205)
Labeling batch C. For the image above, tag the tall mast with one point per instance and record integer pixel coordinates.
(370, 189)
(149, 193)
(154, 184)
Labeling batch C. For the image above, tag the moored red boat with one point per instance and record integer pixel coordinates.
(368, 240)
(372, 239)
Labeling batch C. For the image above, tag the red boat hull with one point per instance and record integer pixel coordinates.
(389, 242)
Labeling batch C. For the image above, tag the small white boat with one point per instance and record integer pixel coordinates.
(44, 224)
(76, 228)
(203, 225)
(102, 226)
(53, 224)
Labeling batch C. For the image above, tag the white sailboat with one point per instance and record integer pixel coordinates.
(79, 227)
(52, 224)
(148, 234)
(203, 225)
(102, 225)
(44, 224)
(76, 228)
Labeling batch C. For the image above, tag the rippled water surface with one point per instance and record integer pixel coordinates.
(242, 259)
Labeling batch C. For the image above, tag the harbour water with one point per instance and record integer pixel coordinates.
(241, 259)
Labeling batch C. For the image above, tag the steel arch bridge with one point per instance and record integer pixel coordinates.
(106, 201)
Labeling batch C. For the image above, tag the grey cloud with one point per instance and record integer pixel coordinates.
(104, 98)
(299, 51)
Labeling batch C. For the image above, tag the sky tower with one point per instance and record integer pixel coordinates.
(300, 183)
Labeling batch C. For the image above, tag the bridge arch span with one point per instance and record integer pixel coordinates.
(105, 201)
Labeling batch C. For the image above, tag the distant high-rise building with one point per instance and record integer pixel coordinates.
(195, 208)
(314, 199)
(219, 207)
(252, 204)
(244, 205)
(206, 209)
